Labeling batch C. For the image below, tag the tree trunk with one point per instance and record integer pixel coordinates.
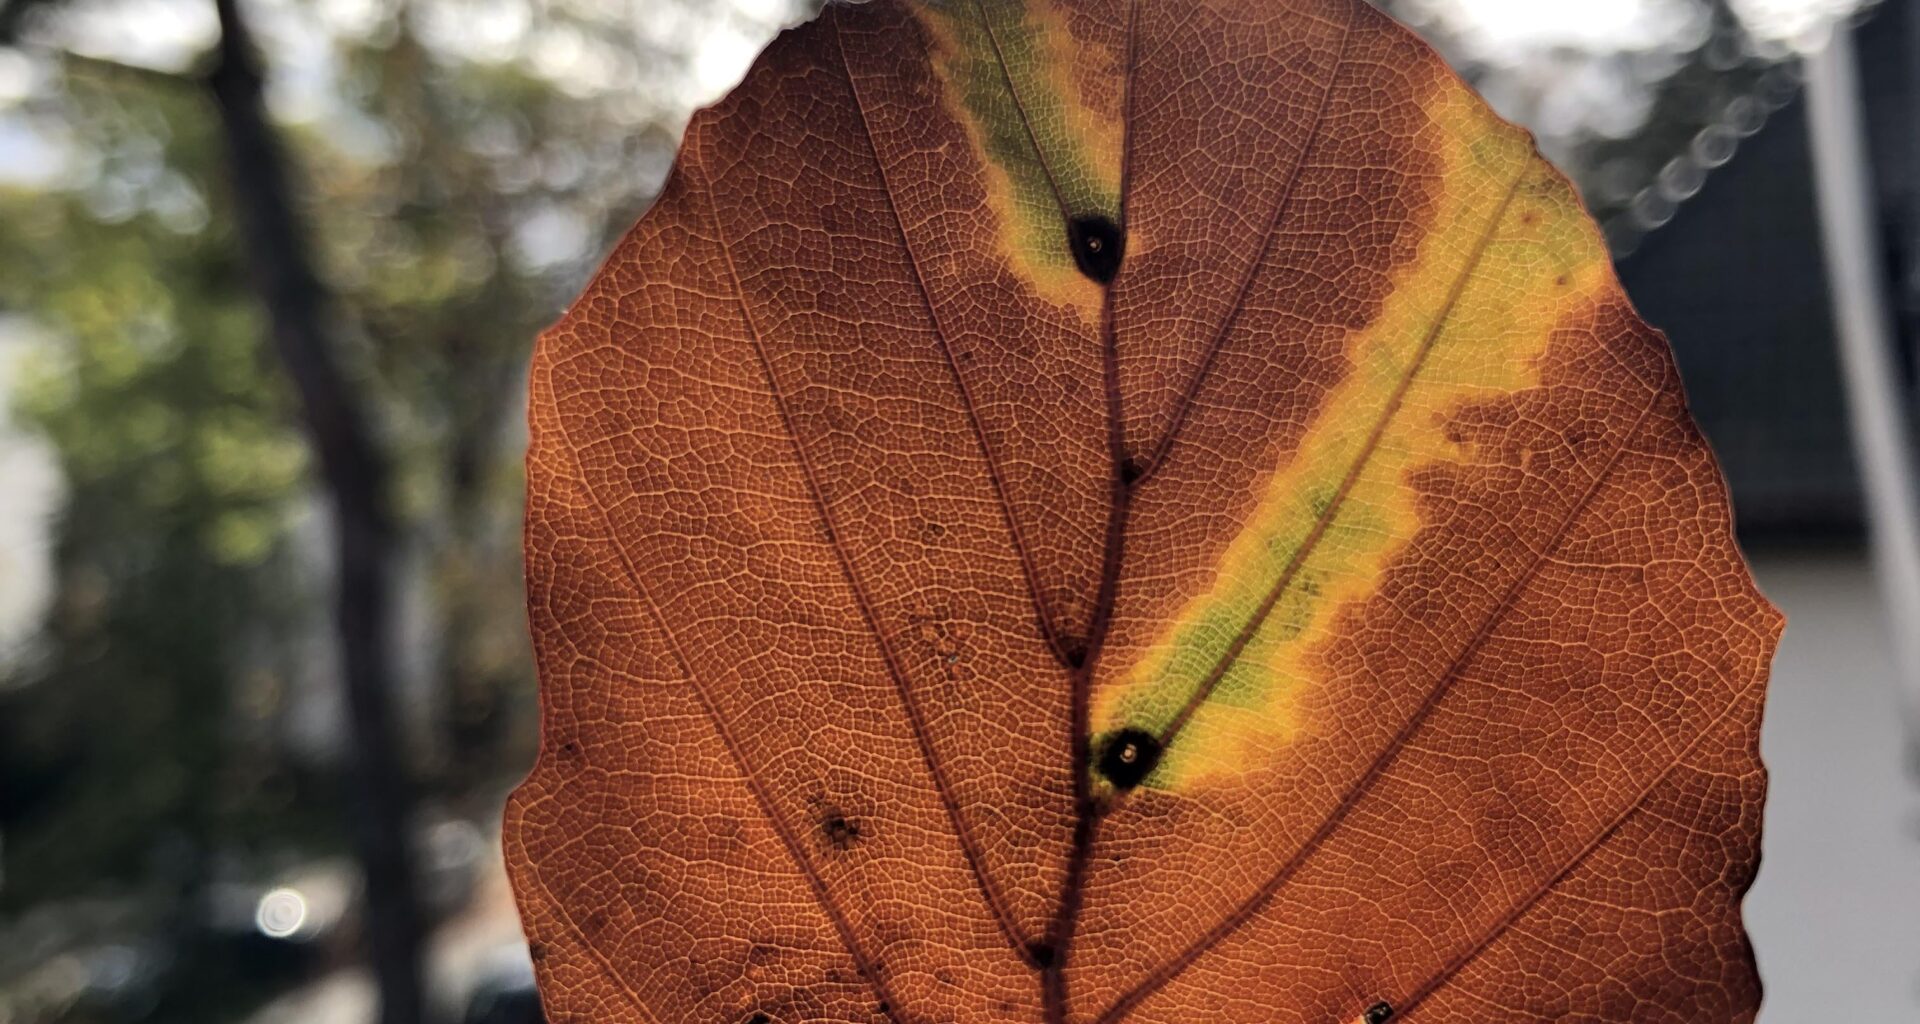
(354, 474)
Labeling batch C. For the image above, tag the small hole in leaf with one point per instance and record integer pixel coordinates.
(1379, 1013)
(1097, 245)
(1129, 757)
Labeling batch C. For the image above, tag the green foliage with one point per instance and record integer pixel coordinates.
(455, 200)
(179, 464)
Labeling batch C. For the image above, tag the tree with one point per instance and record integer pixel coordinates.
(448, 200)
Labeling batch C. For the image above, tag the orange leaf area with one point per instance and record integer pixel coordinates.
(1093, 511)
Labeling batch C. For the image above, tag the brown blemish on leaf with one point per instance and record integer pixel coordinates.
(841, 832)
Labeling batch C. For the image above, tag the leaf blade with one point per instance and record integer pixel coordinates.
(931, 509)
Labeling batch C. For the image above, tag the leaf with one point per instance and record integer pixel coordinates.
(1094, 511)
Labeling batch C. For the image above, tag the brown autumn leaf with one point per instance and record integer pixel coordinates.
(1088, 510)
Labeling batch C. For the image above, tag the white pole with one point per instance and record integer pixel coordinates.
(1857, 282)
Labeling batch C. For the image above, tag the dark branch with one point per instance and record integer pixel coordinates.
(354, 474)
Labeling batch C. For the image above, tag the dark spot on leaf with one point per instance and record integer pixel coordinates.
(1097, 245)
(759, 1018)
(1129, 757)
(1130, 471)
(841, 831)
(1041, 953)
(537, 951)
(1379, 1013)
(1074, 651)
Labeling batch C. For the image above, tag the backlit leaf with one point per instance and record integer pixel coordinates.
(1078, 510)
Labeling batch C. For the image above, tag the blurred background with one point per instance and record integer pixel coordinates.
(269, 275)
